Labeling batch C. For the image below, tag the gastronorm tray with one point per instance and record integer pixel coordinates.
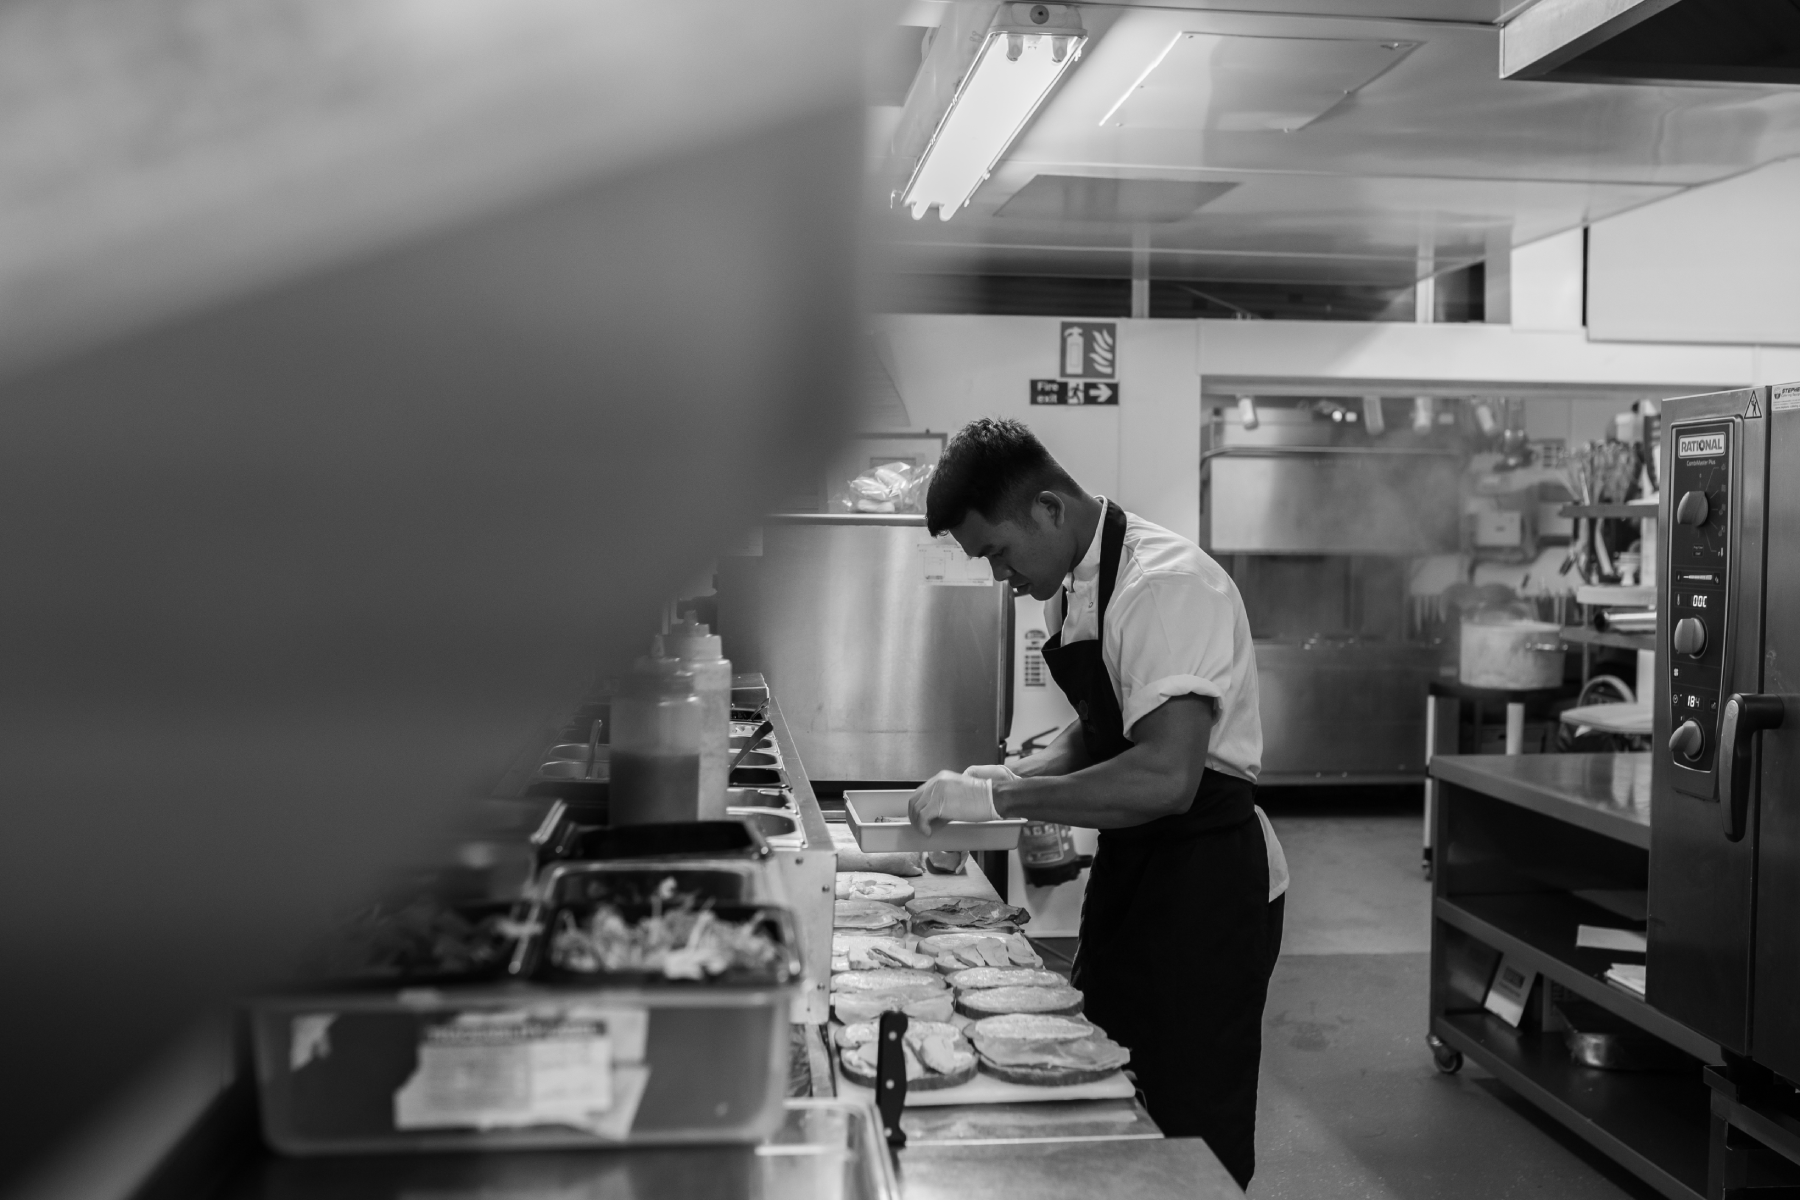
(365, 1072)
(870, 814)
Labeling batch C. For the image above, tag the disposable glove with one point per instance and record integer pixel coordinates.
(948, 796)
(990, 771)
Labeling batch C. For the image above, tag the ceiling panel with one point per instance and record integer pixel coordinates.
(1250, 84)
(1435, 159)
(1090, 198)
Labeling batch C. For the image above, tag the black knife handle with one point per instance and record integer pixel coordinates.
(1744, 717)
(890, 1076)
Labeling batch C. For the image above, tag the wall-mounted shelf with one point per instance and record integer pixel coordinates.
(1634, 511)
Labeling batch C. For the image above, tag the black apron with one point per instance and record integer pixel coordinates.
(1178, 937)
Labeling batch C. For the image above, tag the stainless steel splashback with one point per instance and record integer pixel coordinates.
(891, 652)
(1330, 500)
(1293, 484)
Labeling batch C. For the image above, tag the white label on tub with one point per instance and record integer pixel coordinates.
(499, 1070)
(1700, 445)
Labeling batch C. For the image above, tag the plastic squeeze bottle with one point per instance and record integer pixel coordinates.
(655, 745)
(701, 653)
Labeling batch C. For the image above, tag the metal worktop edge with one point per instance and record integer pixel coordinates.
(1521, 780)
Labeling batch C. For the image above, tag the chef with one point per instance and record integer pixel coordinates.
(1182, 920)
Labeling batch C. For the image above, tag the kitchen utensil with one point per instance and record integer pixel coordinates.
(762, 731)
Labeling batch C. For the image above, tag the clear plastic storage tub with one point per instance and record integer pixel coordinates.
(878, 821)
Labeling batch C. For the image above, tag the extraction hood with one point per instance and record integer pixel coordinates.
(1654, 41)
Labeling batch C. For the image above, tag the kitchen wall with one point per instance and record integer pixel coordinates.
(1145, 452)
(1715, 264)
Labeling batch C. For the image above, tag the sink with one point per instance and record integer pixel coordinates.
(754, 759)
(563, 769)
(737, 743)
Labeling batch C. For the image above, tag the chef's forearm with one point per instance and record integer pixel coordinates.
(1063, 756)
(1156, 776)
(1115, 794)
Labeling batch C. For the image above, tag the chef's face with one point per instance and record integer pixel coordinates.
(1029, 552)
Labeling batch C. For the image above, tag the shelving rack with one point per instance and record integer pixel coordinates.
(1584, 635)
(1529, 848)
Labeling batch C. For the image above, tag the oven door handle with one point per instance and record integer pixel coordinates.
(1745, 716)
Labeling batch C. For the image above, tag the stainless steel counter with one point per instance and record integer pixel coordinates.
(1076, 1148)
(1605, 793)
(1170, 1167)
(1071, 1148)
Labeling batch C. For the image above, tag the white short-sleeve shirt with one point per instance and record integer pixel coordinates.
(1175, 626)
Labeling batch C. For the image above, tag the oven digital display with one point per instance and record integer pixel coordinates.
(1700, 445)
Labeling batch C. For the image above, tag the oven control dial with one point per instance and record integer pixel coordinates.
(1688, 741)
(1690, 637)
(1692, 509)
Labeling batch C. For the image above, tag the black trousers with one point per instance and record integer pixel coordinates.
(1178, 939)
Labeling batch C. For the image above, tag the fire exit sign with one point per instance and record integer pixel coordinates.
(1073, 391)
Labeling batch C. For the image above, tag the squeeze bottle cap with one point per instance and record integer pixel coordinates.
(693, 641)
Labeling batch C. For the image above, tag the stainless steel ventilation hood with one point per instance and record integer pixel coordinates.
(1654, 42)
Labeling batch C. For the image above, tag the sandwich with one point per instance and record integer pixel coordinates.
(992, 1002)
(997, 977)
(954, 951)
(937, 1055)
(1051, 1061)
(886, 980)
(869, 916)
(872, 885)
(945, 914)
(851, 951)
(1032, 1027)
(918, 1001)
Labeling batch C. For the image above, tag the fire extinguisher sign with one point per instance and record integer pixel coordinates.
(1089, 350)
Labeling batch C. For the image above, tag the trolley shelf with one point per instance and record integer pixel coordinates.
(1538, 930)
(1653, 1123)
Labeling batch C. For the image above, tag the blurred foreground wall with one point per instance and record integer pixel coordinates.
(368, 373)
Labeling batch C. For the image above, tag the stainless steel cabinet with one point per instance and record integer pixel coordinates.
(890, 650)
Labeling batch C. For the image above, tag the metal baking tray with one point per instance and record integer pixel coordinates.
(865, 812)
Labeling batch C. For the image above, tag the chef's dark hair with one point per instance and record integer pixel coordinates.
(995, 468)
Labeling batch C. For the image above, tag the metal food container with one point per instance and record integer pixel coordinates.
(521, 1067)
(1514, 655)
(1598, 1038)
(827, 1149)
(871, 816)
(577, 1058)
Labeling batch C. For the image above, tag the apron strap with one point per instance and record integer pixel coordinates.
(1112, 544)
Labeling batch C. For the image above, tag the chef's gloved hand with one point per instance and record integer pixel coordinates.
(990, 771)
(949, 796)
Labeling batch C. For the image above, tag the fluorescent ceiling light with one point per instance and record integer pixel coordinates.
(1017, 66)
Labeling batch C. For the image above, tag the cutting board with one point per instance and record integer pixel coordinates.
(985, 1089)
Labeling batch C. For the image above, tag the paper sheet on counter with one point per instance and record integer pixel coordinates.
(1599, 937)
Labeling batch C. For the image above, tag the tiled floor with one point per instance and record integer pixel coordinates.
(1351, 1105)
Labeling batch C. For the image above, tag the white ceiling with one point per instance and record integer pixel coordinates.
(1435, 158)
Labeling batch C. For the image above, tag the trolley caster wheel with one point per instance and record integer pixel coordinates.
(1448, 1060)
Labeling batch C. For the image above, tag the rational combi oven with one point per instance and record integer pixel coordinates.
(1724, 894)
